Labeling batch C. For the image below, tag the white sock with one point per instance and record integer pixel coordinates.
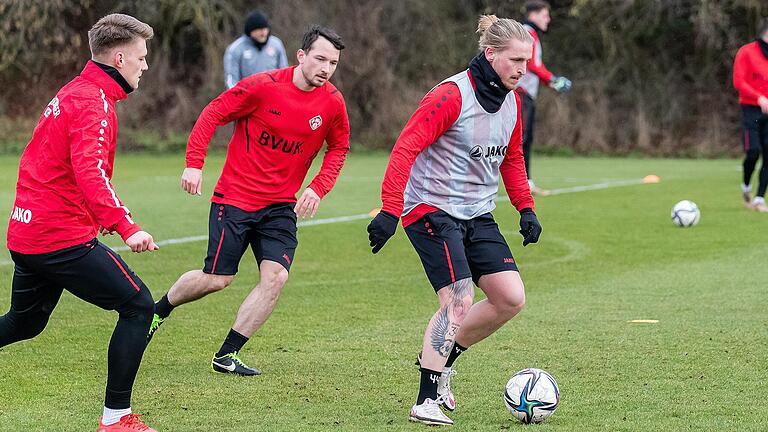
(746, 188)
(758, 200)
(112, 416)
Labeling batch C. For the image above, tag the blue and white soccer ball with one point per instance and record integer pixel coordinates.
(531, 395)
(686, 214)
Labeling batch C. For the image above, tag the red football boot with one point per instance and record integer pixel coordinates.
(127, 423)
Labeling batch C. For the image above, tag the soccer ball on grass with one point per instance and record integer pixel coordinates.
(531, 395)
(685, 214)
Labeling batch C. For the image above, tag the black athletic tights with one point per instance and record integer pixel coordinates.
(27, 319)
(755, 141)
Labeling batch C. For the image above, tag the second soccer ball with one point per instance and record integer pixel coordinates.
(686, 214)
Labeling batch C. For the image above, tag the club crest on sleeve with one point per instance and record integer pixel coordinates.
(315, 122)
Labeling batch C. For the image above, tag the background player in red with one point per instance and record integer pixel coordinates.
(536, 21)
(282, 119)
(64, 197)
(750, 77)
(442, 178)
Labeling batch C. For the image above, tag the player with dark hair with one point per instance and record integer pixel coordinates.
(537, 20)
(750, 77)
(282, 118)
(64, 198)
(442, 179)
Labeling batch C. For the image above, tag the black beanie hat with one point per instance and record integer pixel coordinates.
(255, 20)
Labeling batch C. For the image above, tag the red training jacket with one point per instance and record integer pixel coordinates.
(64, 192)
(422, 129)
(279, 129)
(750, 73)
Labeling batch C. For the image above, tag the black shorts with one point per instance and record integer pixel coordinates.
(755, 128)
(452, 249)
(271, 232)
(91, 271)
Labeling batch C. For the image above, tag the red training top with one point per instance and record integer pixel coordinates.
(279, 129)
(64, 192)
(750, 73)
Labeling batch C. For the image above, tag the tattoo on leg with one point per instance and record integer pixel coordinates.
(460, 290)
(443, 333)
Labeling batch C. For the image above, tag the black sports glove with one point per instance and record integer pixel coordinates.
(381, 228)
(529, 226)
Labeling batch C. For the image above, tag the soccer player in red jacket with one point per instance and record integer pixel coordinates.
(64, 198)
(282, 118)
(442, 179)
(537, 20)
(750, 77)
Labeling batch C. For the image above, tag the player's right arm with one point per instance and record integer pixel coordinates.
(237, 102)
(437, 112)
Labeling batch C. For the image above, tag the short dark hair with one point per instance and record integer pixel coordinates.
(315, 32)
(535, 6)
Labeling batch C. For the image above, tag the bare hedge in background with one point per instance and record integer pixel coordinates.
(650, 77)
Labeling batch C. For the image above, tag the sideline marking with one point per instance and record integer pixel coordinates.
(560, 191)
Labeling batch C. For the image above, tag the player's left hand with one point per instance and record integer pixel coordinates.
(307, 204)
(529, 226)
(560, 84)
(104, 231)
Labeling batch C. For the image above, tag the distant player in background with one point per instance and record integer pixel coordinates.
(282, 118)
(257, 50)
(442, 178)
(536, 22)
(64, 198)
(750, 77)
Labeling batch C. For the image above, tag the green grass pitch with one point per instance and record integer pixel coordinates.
(338, 352)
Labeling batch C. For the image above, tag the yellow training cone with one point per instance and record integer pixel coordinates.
(651, 178)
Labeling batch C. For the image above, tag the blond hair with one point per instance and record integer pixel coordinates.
(497, 32)
(115, 30)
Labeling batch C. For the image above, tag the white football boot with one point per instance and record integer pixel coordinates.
(429, 412)
(444, 392)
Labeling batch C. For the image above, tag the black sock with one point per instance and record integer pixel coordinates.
(233, 343)
(455, 353)
(163, 307)
(428, 385)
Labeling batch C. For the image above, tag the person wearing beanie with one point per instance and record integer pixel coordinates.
(257, 50)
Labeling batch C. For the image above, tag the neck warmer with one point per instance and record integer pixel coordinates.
(115, 74)
(489, 90)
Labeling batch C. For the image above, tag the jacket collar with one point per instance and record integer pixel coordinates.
(99, 75)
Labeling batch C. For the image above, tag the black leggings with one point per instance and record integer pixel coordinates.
(755, 141)
(99, 276)
(528, 117)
